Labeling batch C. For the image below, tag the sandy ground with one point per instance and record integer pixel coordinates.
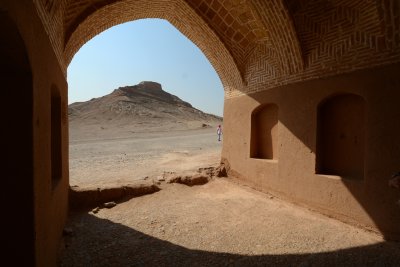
(222, 223)
(109, 160)
(218, 224)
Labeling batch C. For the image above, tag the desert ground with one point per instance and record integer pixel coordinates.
(111, 160)
(221, 223)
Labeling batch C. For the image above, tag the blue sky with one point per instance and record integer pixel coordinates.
(145, 50)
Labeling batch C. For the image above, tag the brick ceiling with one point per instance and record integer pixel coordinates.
(270, 42)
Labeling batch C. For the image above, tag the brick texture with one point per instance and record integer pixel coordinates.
(252, 44)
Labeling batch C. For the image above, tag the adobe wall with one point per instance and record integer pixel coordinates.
(50, 198)
(368, 201)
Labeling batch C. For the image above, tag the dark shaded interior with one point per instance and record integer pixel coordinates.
(340, 137)
(56, 136)
(17, 146)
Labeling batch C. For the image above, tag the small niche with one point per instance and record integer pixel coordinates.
(340, 136)
(264, 132)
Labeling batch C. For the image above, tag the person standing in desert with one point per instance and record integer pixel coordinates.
(219, 132)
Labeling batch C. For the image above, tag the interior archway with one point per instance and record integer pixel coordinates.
(178, 13)
(17, 143)
(139, 52)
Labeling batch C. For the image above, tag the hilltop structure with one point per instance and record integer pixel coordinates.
(144, 107)
(311, 103)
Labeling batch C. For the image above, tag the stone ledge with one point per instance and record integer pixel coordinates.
(89, 197)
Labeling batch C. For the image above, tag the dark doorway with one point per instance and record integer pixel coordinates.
(340, 141)
(17, 146)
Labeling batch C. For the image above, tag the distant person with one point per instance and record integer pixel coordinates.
(219, 132)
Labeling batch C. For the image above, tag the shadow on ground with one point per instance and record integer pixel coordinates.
(100, 242)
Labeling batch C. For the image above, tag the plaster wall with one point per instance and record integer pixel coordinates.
(367, 202)
(49, 199)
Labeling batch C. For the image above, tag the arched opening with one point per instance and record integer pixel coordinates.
(179, 13)
(16, 144)
(264, 132)
(128, 123)
(341, 136)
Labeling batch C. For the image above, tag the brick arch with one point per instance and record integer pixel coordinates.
(178, 13)
(276, 17)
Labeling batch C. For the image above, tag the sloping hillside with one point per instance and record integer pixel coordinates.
(140, 108)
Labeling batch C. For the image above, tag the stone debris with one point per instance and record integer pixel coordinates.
(202, 176)
(110, 205)
(197, 179)
(81, 198)
(220, 171)
(209, 171)
(190, 180)
(173, 179)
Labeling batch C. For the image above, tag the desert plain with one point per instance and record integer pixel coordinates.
(121, 160)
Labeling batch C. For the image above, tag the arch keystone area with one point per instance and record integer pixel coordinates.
(177, 12)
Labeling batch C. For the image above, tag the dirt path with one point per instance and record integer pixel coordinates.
(218, 224)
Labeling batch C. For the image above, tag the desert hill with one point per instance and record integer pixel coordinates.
(140, 108)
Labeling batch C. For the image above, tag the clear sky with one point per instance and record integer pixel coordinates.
(145, 50)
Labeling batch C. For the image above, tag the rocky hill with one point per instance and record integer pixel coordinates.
(142, 107)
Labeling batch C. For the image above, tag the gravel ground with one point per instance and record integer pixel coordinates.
(110, 161)
(221, 223)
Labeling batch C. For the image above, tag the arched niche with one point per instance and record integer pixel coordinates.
(341, 136)
(264, 132)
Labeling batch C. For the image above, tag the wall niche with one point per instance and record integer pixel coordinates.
(341, 136)
(264, 132)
